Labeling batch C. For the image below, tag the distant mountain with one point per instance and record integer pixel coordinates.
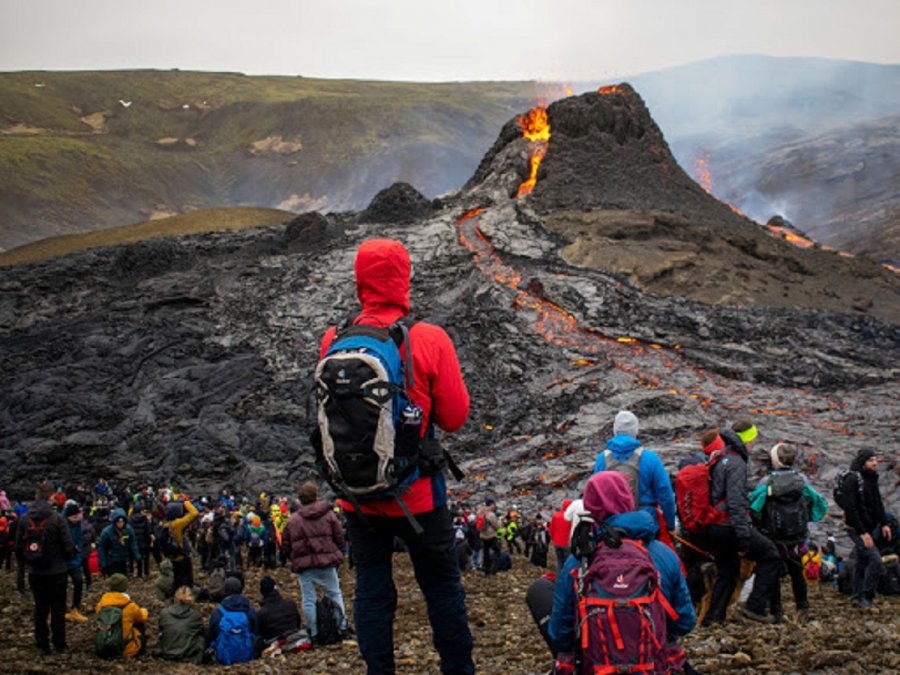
(814, 140)
(87, 150)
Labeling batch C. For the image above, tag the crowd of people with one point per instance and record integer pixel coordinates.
(633, 555)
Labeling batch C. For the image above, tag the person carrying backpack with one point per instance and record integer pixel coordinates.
(120, 622)
(737, 538)
(314, 542)
(784, 503)
(642, 468)
(172, 542)
(439, 399)
(44, 544)
(859, 496)
(233, 626)
(623, 602)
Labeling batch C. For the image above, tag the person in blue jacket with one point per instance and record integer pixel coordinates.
(608, 499)
(234, 601)
(625, 454)
(116, 544)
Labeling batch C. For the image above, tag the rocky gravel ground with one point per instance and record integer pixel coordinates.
(837, 639)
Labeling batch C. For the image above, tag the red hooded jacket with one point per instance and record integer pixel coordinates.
(560, 528)
(382, 285)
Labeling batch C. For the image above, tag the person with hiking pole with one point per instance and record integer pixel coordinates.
(398, 487)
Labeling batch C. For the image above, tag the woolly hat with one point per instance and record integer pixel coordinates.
(71, 510)
(864, 455)
(266, 585)
(783, 455)
(606, 494)
(118, 583)
(232, 586)
(625, 424)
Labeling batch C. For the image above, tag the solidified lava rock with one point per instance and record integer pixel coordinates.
(399, 203)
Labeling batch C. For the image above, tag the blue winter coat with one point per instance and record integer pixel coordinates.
(637, 525)
(78, 540)
(114, 546)
(654, 486)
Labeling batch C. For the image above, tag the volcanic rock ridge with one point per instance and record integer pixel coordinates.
(190, 359)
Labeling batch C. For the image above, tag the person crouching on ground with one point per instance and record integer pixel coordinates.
(181, 630)
(134, 618)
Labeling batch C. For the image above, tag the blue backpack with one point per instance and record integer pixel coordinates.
(234, 643)
(369, 429)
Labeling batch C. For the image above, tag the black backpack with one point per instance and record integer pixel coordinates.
(841, 498)
(166, 543)
(33, 544)
(785, 516)
(328, 621)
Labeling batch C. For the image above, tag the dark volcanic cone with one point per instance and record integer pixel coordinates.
(609, 184)
(399, 203)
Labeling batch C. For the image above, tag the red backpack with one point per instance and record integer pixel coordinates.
(692, 499)
(622, 613)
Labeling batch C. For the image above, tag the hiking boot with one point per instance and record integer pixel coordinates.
(862, 603)
(348, 634)
(754, 616)
(43, 651)
(74, 615)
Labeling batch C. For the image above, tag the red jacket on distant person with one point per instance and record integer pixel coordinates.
(560, 528)
(382, 286)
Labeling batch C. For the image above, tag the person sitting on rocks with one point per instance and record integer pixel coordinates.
(134, 618)
(181, 636)
(278, 616)
(233, 603)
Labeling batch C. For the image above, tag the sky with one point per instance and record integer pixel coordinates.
(435, 41)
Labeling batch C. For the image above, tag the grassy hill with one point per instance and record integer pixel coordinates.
(87, 150)
(210, 220)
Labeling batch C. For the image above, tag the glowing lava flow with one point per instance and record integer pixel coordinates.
(537, 130)
(653, 366)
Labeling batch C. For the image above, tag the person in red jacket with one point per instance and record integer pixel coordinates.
(382, 269)
(560, 531)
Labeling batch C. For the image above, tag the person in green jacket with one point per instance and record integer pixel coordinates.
(783, 504)
(181, 630)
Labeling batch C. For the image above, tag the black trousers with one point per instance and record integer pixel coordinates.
(49, 591)
(182, 574)
(490, 556)
(77, 586)
(767, 572)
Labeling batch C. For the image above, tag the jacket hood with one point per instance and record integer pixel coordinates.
(382, 270)
(41, 509)
(314, 510)
(236, 603)
(565, 504)
(734, 443)
(622, 446)
(180, 611)
(637, 524)
(113, 599)
(606, 494)
(118, 513)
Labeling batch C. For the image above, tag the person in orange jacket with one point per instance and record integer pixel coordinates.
(134, 618)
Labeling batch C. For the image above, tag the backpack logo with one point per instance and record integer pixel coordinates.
(620, 582)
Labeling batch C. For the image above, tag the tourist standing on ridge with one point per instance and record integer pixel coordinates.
(642, 468)
(560, 531)
(866, 519)
(382, 269)
(44, 543)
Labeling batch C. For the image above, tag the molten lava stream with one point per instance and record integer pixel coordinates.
(651, 365)
(536, 129)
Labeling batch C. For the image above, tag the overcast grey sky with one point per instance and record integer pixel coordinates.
(428, 40)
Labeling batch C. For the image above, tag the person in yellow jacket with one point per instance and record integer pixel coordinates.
(134, 618)
(178, 515)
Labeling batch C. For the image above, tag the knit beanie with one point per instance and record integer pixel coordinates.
(625, 424)
(118, 583)
(232, 586)
(863, 456)
(783, 455)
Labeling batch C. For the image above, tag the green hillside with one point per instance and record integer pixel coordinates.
(87, 150)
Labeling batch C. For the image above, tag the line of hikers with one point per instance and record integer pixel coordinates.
(629, 584)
